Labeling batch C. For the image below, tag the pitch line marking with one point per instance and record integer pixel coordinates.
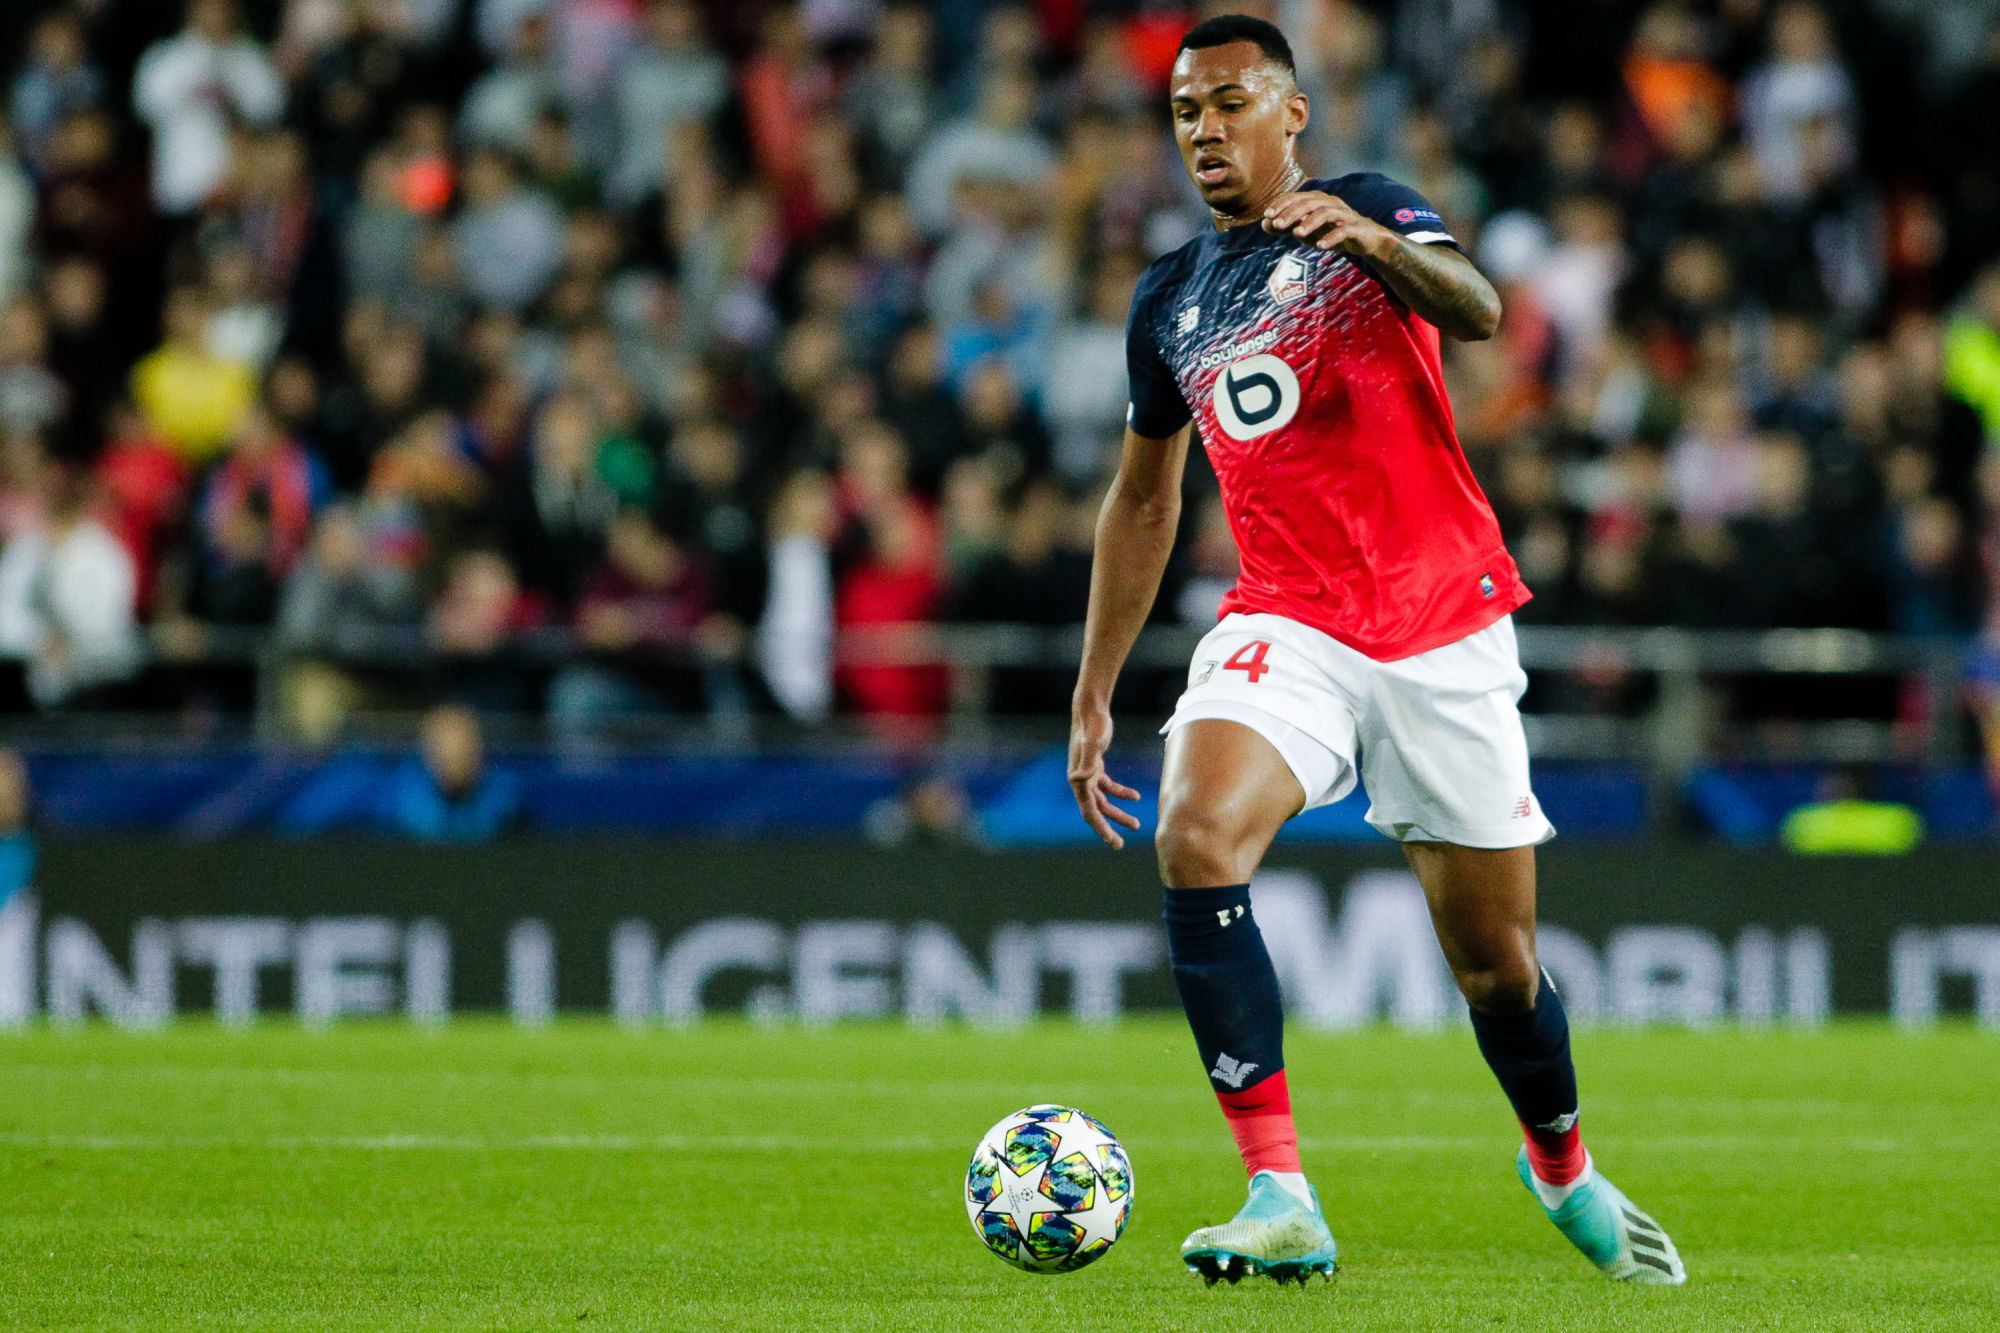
(420, 1142)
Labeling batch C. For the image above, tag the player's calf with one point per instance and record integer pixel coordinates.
(1230, 992)
(1528, 1052)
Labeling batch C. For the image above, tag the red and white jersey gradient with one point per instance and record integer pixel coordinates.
(1321, 401)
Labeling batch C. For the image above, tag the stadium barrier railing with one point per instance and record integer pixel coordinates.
(1676, 724)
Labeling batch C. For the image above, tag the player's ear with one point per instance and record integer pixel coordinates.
(1298, 112)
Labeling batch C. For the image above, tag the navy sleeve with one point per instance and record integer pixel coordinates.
(1157, 410)
(1394, 205)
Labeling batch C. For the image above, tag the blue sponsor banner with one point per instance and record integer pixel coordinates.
(1020, 799)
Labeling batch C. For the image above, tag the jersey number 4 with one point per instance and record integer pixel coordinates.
(1249, 659)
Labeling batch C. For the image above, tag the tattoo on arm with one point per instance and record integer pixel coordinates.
(1441, 284)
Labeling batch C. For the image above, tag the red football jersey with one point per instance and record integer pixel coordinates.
(1321, 401)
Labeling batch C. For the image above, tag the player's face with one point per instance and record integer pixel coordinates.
(1235, 114)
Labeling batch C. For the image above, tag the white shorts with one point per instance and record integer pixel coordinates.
(1436, 737)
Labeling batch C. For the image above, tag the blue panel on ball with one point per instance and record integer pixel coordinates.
(1084, 1255)
(997, 1230)
(982, 1179)
(1070, 1182)
(1051, 1236)
(1028, 1145)
(1116, 1170)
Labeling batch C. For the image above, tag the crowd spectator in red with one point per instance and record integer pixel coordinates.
(253, 521)
(144, 486)
(890, 574)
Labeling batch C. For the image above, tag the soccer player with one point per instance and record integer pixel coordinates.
(1369, 634)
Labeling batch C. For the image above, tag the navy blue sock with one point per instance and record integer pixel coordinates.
(1529, 1054)
(1227, 984)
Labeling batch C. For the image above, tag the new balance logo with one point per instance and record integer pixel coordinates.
(1229, 1071)
(1524, 807)
(1225, 916)
(1189, 318)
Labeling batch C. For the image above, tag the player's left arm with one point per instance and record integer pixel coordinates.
(1436, 281)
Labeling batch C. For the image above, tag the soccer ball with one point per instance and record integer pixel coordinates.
(1049, 1189)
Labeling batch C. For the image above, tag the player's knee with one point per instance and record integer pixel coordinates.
(1502, 987)
(1198, 848)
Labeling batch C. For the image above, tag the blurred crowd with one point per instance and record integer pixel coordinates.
(602, 358)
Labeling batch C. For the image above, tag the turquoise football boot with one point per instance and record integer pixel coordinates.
(1624, 1243)
(1274, 1236)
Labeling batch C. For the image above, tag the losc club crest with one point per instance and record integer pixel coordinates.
(1288, 279)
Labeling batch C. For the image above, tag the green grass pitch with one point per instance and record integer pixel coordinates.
(738, 1178)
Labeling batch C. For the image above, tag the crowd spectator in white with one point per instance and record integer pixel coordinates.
(190, 88)
(246, 324)
(671, 80)
(991, 295)
(1799, 91)
(509, 238)
(995, 145)
(1357, 105)
(1715, 465)
(502, 107)
(1083, 394)
(66, 600)
(1580, 272)
(891, 100)
(17, 216)
(593, 38)
(795, 637)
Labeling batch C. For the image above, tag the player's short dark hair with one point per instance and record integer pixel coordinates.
(1226, 28)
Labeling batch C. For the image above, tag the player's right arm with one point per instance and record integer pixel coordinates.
(1135, 537)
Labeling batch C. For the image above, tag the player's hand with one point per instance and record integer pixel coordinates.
(1326, 222)
(1089, 738)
